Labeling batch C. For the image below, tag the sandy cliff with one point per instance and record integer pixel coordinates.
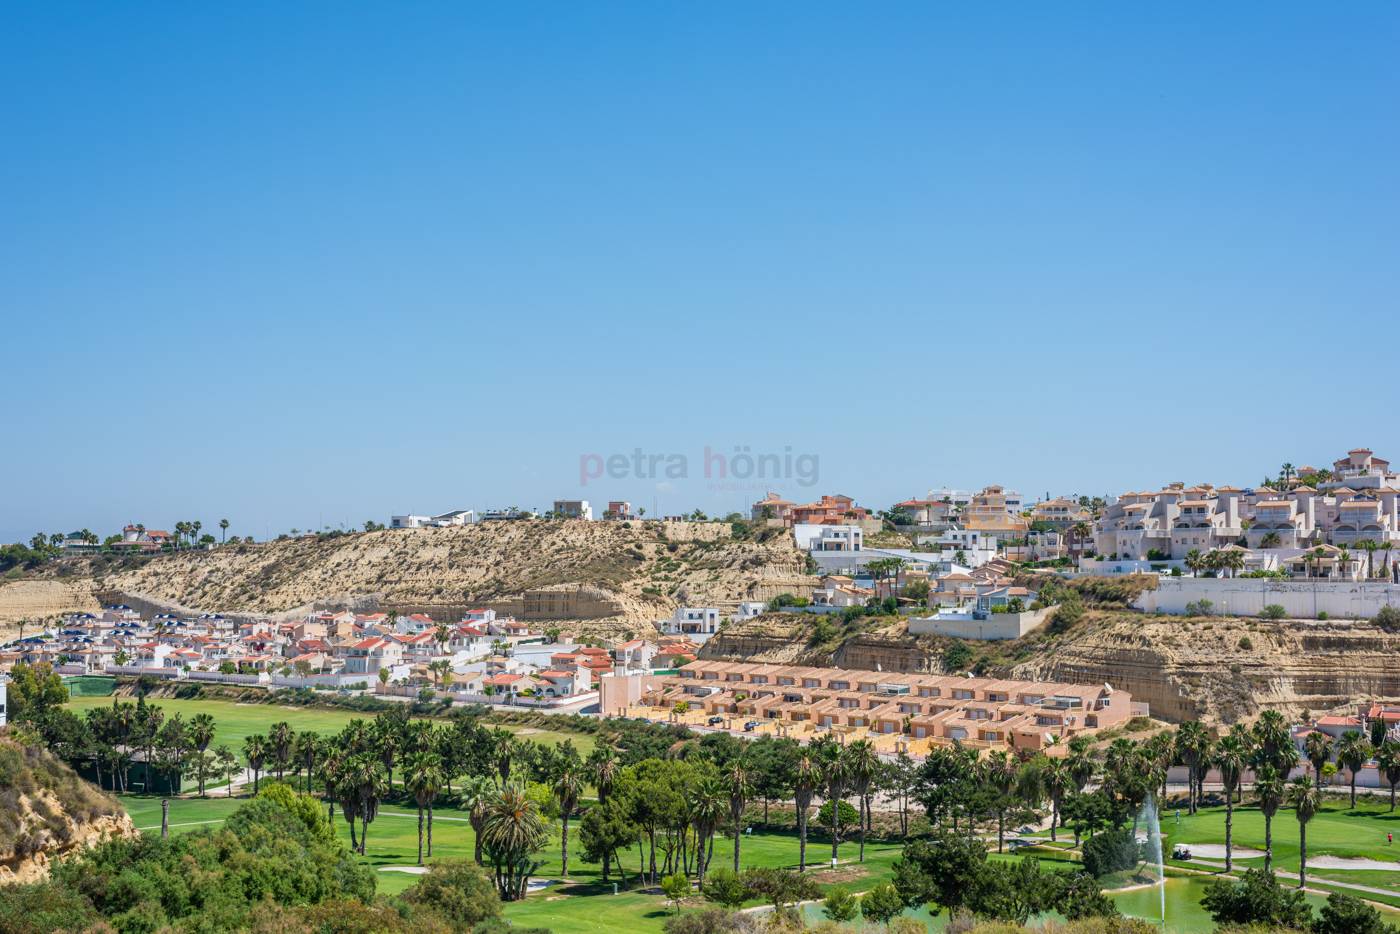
(626, 574)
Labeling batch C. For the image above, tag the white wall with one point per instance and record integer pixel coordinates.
(995, 627)
(1247, 596)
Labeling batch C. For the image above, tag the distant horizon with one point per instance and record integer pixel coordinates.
(302, 264)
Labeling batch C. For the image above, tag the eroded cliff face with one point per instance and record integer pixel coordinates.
(628, 574)
(1226, 669)
(1219, 669)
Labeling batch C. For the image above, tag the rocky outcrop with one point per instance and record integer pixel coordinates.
(47, 812)
(1220, 669)
(1226, 669)
(628, 574)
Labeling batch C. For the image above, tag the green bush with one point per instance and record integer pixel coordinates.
(1110, 851)
(1273, 611)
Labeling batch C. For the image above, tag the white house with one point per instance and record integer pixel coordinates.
(696, 623)
(750, 608)
(367, 656)
(573, 509)
(817, 537)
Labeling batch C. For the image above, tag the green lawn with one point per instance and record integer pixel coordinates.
(586, 905)
(235, 721)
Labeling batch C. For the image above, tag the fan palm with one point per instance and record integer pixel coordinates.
(567, 790)
(708, 804)
(1305, 799)
(1388, 761)
(1352, 752)
(1231, 756)
(255, 751)
(1318, 748)
(201, 735)
(738, 778)
(422, 778)
(512, 831)
(805, 780)
(477, 793)
(1269, 788)
(865, 766)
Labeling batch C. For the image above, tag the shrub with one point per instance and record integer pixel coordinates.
(1246, 643)
(1388, 618)
(1199, 608)
(1273, 611)
(725, 887)
(1346, 914)
(880, 904)
(459, 890)
(1256, 898)
(840, 906)
(1110, 851)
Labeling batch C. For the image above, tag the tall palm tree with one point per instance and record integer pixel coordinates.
(227, 762)
(477, 794)
(835, 773)
(422, 777)
(709, 802)
(223, 530)
(1270, 540)
(1352, 752)
(1269, 788)
(1370, 548)
(1082, 531)
(308, 748)
(1318, 748)
(805, 780)
(1195, 562)
(1273, 744)
(1231, 756)
(280, 738)
(1057, 783)
(201, 735)
(738, 777)
(865, 766)
(1305, 799)
(1192, 744)
(567, 789)
(368, 781)
(513, 830)
(1388, 761)
(999, 771)
(255, 751)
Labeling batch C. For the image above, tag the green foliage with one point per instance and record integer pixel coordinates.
(957, 656)
(1346, 914)
(780, 887)
(1067, 614)
(1081, 897)
(1273, 611)
(459, 891)
(840, 905)
(881, 903)
(710, 921)
(1110, 851)
(724, 886)
(847, 817)
(34, 689)
(1388, 618)
(676, 887)
(941, 871)
(1256, 898)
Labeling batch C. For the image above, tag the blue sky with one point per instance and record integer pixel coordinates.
(303, 264)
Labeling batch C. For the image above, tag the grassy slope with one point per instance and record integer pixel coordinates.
(236, 721)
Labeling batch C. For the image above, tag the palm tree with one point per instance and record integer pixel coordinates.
(835, 773)
(513, 830)
(1231, 756)
(1318, 748)
(1305, 800)
(1195, 562)
(477, 794)
(567, 789)
(308, 749)
(423, 778)
(708, 804)
(1273, 744)
(1192, 744)
(280, 739)
(738, 778)
(223, 530)
(1352, 752)
(227, 762)
(1270, 540)
(1286, 472)
(865, 766)
(1388, 761)
(1082, 531)
(806, 777)
(367, 780)
(1370, 548)
(1269, 789)
(255, 751)
(201, 735)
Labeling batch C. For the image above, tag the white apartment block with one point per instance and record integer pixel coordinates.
(1360, 503)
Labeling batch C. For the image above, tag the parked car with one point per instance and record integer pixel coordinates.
(750, 726)
(715, 721)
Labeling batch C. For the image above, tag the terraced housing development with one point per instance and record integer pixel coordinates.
(898, 712)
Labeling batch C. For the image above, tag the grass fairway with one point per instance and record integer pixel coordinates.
(235, 722)
(584, 905)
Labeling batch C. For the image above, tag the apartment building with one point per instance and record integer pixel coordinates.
(944, 710)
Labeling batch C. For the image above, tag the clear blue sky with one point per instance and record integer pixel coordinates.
(305, 263)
